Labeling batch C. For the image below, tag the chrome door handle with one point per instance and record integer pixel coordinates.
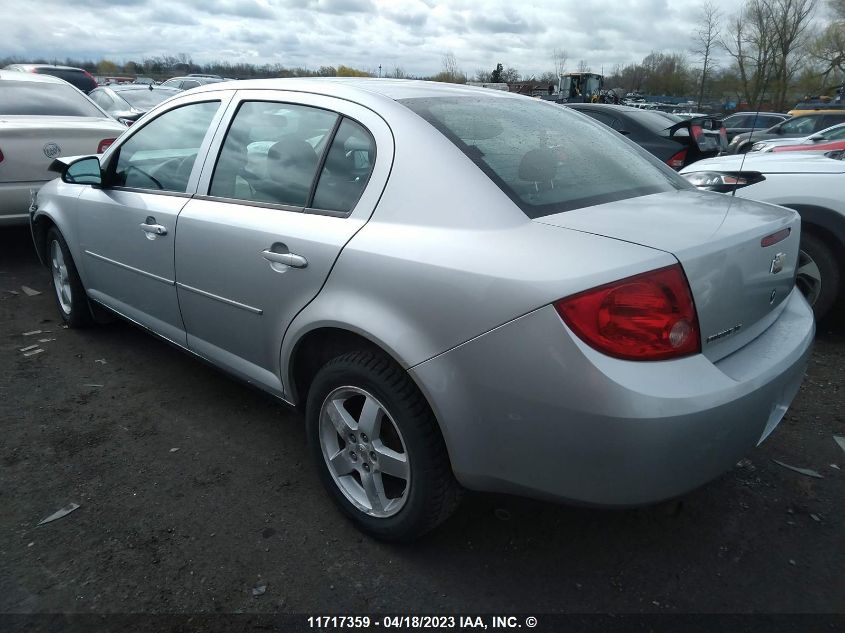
(288, 259)
(156, 229)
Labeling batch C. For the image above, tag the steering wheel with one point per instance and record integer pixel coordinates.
(146, 175)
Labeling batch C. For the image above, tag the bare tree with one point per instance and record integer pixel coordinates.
(706, 39)
(482, 75)
(751, 44)
(559, 56)
(790, 21)
(583, 67)
(510, 75)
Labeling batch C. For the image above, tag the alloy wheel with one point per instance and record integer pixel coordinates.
(61, 279)
(364, 451)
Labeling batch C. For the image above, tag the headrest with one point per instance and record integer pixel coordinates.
(538, 165)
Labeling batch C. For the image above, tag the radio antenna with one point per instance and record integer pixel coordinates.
(750, 135)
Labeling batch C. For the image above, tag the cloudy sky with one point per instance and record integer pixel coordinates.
(410, 34)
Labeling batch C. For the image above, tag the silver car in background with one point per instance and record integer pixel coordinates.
(459, 287)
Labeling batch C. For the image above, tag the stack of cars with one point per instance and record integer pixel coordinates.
(795, 127)
(830, 139)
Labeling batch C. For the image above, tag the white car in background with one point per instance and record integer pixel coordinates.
(833, 133)
(812, 184)
(41, 119)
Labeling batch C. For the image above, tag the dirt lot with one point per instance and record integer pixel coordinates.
(96, 419)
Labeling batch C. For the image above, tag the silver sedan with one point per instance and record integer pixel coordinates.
(460, 288)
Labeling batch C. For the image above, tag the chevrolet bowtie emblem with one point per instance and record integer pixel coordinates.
(777, 263)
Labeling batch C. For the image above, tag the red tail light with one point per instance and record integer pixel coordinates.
(90, 76)
(696, 132)
(104, 145)
(645, 317)
(677, 161)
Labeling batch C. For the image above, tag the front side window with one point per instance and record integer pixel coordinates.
(161, 155)
(272, 152)
(102, 99)
(801, 125)
(737, 121)
(545, 157)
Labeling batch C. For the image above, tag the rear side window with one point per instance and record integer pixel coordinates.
(161, 155)
(32, 98)
(604, 118)
(832, 119)
(73, 76)
(272, 152)
(545, 157)
(347, 169)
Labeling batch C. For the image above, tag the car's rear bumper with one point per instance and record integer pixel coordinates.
(15, 198)
(529, 408)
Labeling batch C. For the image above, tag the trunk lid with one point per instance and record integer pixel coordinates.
(718, 241)
(30, 144)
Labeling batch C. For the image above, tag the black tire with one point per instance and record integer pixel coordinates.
(433, 493)
(76, 313)
(823, 256)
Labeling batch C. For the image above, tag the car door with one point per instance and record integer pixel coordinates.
(127, 227)
(293, 178)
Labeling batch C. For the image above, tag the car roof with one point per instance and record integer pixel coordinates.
(47, 66)
(15, 75)
(131, 87)
(363, 89)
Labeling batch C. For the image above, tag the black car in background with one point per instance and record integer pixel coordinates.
(677, 142)
(797, 126)
(128, 102)
(742, 122)
(78, 77)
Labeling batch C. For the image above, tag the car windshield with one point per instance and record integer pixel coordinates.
(546, 158)
(144, 98)
(44, 99)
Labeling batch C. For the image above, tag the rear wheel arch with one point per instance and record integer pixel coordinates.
(317, 347)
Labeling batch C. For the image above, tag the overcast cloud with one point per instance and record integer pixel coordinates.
(411, 34)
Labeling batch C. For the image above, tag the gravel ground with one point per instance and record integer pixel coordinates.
(194, 489)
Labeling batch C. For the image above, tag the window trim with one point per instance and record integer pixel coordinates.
(307, 209)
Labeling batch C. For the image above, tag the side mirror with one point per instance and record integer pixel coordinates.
(84, 171)
(815, 138)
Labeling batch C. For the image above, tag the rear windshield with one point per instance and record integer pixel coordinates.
(545, 157)
(657, 122)
(44, 99)
(144, 98)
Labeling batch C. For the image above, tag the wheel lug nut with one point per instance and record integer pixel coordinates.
(352, 437)
(363, 437)
(353, 456)
(367, 467)
(373, 455)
